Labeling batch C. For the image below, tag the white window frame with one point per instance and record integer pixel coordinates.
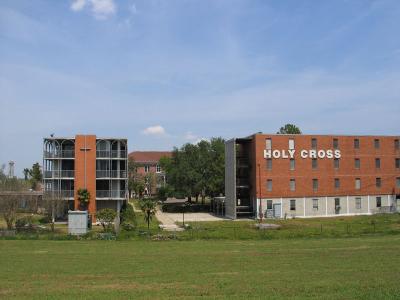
(291, 144)
(358, 202)
(292, 184)
(315, 204)
(268, 144)
(357, 183)
(269, 185)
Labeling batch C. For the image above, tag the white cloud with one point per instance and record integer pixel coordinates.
(101, 9)
(156, 130)
(200, 139)
(133, 9)
(78, 5)
(190, 136)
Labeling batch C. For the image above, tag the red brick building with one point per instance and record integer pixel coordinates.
(311, 175)
(150, 169)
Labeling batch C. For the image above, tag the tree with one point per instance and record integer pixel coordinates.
(289, 129)
(149, 208)
(36, 175)
(26, 174)
(128, 217)
(54, 206)
(132, 175)
(106, 216)
(10, 201)
(84, 198)
(196, 170)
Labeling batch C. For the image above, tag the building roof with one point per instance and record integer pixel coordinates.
(149, 156)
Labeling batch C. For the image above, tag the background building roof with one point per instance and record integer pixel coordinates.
(149, 156)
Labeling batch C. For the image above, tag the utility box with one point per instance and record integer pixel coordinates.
(77, 222)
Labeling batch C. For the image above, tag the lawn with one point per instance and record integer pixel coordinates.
(335, 268)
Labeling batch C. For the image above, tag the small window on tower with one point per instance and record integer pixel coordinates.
(268, 144)
(356, 144)
(377, 144)
(291, 144)
(335, 143)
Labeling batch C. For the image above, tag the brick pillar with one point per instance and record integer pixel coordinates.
(85, 169)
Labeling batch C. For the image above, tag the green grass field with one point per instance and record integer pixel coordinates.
(329, 268)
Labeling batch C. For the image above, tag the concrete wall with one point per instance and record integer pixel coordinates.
(230, 179)
(326, 205)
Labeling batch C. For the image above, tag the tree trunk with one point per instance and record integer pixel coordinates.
(197, 198)
(202, 199)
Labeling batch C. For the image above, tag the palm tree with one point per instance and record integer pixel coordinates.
(149, 208)
(26, 173)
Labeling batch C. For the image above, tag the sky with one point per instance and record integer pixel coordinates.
(166, 73)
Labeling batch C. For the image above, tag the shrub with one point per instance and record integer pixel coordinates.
(24, 223)
(44, 220)
(106, 217)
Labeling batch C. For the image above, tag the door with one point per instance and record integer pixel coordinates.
(277, 210)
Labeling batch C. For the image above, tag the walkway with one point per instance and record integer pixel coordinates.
(167, 223)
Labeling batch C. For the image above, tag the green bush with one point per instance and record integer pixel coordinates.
(128, 218)
(24, 224)
(44, 220)
(106, 217)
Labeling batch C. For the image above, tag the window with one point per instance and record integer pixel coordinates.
(377, 163)
(315, 184)
(291, 144)
(292, 204)
(378, 182)
(335, 143)
(269, 185)
(356, 144)
(396, 144)
(358, 203)
(146, 168)
(358, 183)
(315, 204)
(314, 163)
(336, 163)
(337, 183)
(292, 184)
(269, 204)
(357, 163)
(398, 182)
(292, 164)
(378, 202)
(158, 169)
(313, 143)
(397, 163)
(268, 144)
(337, 203)
(376, 144)
(269, 164)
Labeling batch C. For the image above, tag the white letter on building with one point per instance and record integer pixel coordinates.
(329, 154)
(338, 154)
(303, 154)
(267, 153)
(276, 153)
(321, 153)
(291, 153)
(312, 153)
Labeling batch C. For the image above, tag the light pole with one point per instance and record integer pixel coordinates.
(259, 186)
